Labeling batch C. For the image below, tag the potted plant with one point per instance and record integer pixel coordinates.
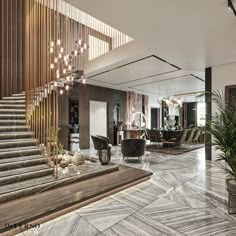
(57, 153)
(74, 128)
(54, 147)
(223, 129)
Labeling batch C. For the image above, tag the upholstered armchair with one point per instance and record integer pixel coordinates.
(100, 142)
(108, 140)
(133, 148)
(154, 136)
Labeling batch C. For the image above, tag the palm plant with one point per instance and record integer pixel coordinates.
(223, 128)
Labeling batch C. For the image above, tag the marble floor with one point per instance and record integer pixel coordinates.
(185, 196)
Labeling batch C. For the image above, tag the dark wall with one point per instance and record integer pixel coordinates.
(191, 114)
(94, 93)
(85, 93)
(154, 118)
(63, 114)
(11, 47)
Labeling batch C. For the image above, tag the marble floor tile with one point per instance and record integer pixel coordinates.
(189, 197)
(186, 195)
(140, 225)
(104, 213)
(143, 194)
(67, 225)
(187, 220)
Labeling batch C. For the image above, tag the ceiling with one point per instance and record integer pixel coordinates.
(149, 75)
(191, 34)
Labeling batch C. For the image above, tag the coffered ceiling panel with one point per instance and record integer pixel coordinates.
(138, 70)
(174, 85)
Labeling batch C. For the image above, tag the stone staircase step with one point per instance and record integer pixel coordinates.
(14, 128)
(16, 101)
(12, 116)
(17, 175)
(13, 111)
(12, 122)
(21, 158)
(15, 135)
(12, 106)
(17, 143)
(19, 152)
(12, 188)
(20, 97)
(22, 163)
(18, 94)
(17, 148)
(28, 187)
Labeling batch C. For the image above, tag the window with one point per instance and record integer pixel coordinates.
(201, 114)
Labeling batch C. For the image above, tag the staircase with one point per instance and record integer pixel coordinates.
(23, 170)
(21, 164)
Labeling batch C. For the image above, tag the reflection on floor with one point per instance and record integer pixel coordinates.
(185, 196)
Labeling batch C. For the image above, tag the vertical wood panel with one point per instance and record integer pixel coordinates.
(11, 53)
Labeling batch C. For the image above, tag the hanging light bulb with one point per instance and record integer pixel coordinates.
(82, 49)
(52, 44)
(57, 71)
(85, 46)
(56, 60)
(58, 76)
(66, 62)
(52, 66)
(80, 41)
(55, 83)
(64, 71)
(69, 67)
(62, 49)
(61, 91)
(59, 55)
(76, 52)
(64, 58)
(51, 50)
(84, 81)
(72, 78)
(68, 78)
(58, 42)
(67, 87)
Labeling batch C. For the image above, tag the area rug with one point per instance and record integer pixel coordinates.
(173, 150)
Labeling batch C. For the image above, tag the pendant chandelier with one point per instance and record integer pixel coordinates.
(62, 63)
(171, 101)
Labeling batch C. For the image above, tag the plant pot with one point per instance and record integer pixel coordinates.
(231, 187)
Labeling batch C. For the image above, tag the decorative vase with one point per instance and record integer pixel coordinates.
(104, 156)
(74, 142)
(78, 159)
(231, 187)
(63, 164)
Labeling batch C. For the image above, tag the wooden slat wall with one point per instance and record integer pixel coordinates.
(11, 45)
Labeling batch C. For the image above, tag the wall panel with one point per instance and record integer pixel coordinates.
(11, 43)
